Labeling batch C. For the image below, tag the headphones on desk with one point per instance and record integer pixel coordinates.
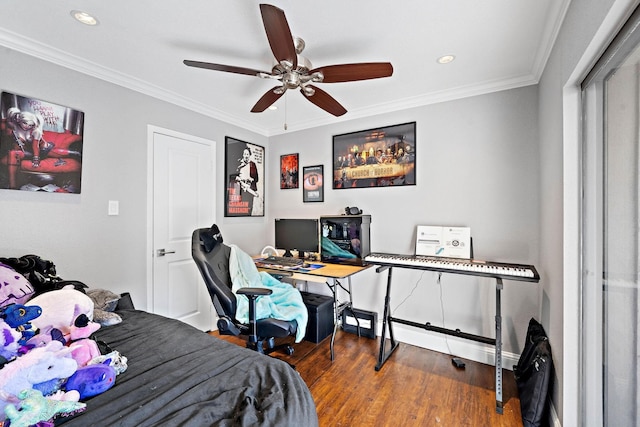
(352, 211)
(269, 250)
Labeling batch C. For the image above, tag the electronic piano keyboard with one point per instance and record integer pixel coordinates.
(472, 267)
(455, 265)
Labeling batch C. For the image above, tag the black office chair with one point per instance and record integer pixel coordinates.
(212, 258)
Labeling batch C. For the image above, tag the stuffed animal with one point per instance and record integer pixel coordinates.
(84, 351)
(35, 408)
(50, 387)
(82, 328)
(104, 303)
(114, 359)
(68, 310)
(39, 365)
(43, 338)
(92, 380)
(9, 344)
(19, 316)
(14, 287)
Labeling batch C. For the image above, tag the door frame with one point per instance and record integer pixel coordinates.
(151, 130)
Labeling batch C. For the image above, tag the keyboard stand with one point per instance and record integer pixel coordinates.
(388, 320)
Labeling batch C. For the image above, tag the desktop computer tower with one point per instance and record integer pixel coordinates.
(345, 239)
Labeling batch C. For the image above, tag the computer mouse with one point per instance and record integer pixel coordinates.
(305, 265)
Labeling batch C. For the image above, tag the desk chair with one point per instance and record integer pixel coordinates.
(212, 258)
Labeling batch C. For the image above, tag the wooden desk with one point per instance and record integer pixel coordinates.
(331, 275)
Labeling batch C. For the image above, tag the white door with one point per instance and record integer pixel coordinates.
(183, 200)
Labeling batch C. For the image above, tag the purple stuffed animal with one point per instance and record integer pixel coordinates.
(92, 380)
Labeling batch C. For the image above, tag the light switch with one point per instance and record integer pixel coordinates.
(114, 207)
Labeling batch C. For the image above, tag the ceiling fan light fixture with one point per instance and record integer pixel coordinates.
(445, 59)
(84, 17)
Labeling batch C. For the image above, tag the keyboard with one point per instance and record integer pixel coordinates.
(285, 261)
(452, 265)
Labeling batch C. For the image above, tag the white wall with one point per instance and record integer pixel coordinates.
(74, 231)
(477, 166)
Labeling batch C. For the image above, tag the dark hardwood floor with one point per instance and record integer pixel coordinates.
(415, 387)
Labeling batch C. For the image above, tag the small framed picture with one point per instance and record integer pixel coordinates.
(313, 183)
(289, 171)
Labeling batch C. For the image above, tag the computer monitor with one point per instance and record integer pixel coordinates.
(297, 234)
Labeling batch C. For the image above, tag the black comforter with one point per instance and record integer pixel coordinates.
(179, 376)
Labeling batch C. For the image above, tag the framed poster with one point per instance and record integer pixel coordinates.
(289, 171)
(244, 178)
(40, 145)
(313, 184)
(380, 157)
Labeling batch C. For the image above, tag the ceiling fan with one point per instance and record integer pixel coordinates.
(294, 71)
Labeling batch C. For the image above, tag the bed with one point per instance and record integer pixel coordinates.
(178, 376)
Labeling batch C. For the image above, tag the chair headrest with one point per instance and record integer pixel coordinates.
(211, 238)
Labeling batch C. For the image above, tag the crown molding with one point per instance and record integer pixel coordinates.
(79, 64)
(64, 59)
(451, 94)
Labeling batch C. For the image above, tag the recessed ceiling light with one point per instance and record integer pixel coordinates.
(84, 17)
(273, 107)
(445, 59)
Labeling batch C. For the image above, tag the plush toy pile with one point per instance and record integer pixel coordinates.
(48, 362)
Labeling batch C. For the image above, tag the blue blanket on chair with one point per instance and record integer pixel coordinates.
(284, 303)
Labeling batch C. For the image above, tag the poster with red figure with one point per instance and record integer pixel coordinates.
(289, 171)
(40, 145)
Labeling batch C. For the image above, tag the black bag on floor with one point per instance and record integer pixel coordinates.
(533, 376)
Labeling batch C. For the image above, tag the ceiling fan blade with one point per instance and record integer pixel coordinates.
(221, 67)
(279, 34)
(325, 101)
(352, 72)
(267, 99)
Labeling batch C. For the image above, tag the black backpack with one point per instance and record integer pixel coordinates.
(533, 376)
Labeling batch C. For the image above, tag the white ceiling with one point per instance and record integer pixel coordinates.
(498, 44)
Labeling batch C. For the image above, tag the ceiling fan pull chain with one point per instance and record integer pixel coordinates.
(285, 111)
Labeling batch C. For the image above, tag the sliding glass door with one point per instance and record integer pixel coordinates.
(611, 234)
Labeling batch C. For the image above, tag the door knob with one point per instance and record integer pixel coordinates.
(162, 252)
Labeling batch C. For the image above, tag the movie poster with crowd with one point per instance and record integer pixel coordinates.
(40, 145)
(244, 179)
(380, 157)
